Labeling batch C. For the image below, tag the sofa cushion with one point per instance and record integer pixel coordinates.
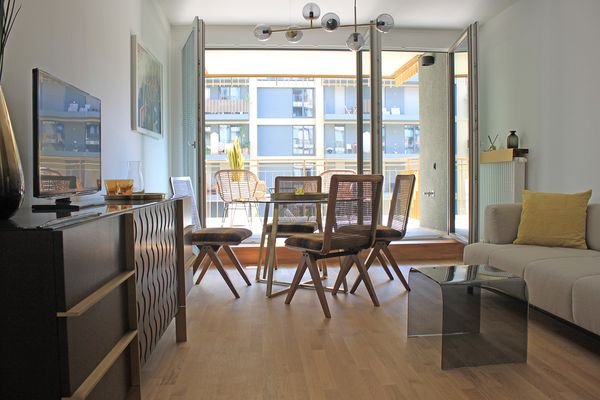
(550, 283)
(220, 236)
(339, 241)
(501, 223)
(514, 258)
(586, 298)
(593, 226)
(479, 253)
(554, 219)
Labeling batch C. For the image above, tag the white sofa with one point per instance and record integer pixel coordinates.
(561, 281)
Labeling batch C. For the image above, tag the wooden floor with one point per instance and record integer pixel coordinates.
(259, 348)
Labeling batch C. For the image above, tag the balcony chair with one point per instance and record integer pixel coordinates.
(294, 218)
(393, 231)
(233, 184)
(210, 240)
(352, 214)
(328, 173)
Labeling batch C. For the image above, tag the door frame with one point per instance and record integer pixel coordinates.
(470, 34)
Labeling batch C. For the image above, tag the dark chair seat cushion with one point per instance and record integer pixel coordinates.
(290, 228)
(339, 241)
(220, 235)
(388, 234)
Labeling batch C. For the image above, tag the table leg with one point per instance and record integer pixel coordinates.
(262, 242)
(271, 248)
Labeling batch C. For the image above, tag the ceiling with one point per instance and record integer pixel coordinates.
(449, 14)
(292, 63)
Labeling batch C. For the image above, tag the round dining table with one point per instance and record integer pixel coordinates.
(278, 200)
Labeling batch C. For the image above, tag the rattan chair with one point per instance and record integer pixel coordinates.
(352, 214)
(293, 218)
(210, 240)
(233, 184)
(394, 230)
(328, 173)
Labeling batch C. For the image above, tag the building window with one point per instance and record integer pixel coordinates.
(339, 98)
(229, 97)
(412, 139)
(230, 93)
(400, 139)
(302, 103)
(340, 139)
(304, 140)
(219, 136)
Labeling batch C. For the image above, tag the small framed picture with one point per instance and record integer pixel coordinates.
(146, 91)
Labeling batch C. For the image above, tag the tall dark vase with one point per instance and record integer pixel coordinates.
(512, 141)
(12, 183)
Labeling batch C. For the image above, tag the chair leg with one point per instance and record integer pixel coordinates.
(314, 273)
(384, 265)
(345, 265)
(198, 263)
(394, 265)
(302, 265)
(372, 254)
(232, 214)
(248, 210)
(323, 267)
(215, 259)
(365, 276)
(236, 262)
(225, 212)
(199, 259)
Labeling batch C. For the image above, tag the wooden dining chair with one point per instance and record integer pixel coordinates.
(294, 218)
(325, 182)
(352, 214)
(210, 240)
(394, 230)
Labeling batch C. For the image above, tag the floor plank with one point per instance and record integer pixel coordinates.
(259, 348)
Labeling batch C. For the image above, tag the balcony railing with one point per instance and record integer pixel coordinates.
(268, 169)
(219, 106)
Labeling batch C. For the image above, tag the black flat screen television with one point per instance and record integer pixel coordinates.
(66, 140)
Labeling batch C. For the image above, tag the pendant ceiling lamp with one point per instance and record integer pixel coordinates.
(330, 22)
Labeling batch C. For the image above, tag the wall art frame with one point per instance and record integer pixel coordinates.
(146, 91)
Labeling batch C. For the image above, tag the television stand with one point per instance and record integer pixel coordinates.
(65, 204)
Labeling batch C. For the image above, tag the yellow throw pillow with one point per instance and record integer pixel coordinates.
(553, 219)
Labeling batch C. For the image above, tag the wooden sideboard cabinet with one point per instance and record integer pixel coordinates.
(88, 296)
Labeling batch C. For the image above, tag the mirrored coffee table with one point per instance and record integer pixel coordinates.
(480, 312)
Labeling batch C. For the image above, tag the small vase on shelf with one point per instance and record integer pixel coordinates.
(512, 141)
(134, 172)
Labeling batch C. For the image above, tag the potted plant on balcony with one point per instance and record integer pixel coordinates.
(235, 158)
(12, 183)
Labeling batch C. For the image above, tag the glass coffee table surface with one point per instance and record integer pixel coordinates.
(465, 274)
(480, 312)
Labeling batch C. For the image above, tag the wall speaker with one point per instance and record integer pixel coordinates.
(427, 60)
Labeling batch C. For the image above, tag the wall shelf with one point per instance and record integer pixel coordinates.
(502, 155)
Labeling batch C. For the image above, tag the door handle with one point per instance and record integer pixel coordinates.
(429, 193)
(192, 144)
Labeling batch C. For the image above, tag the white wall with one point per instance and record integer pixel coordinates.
(539, 69)
(87, 43)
